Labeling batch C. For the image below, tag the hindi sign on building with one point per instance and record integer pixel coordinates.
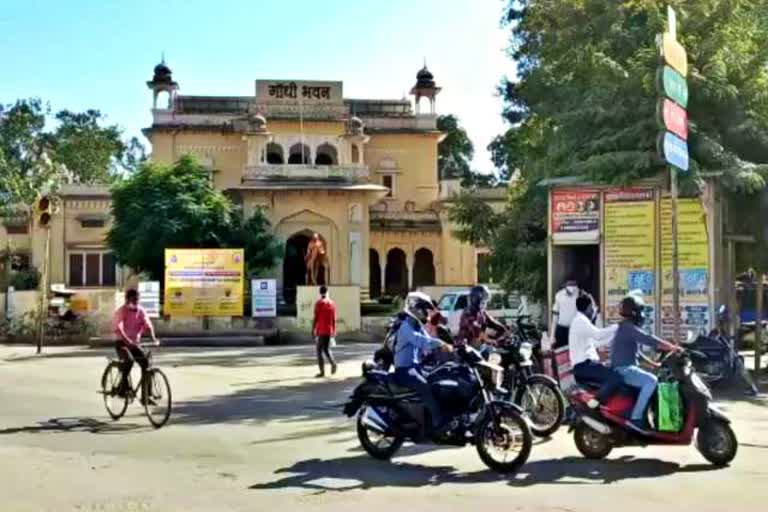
(204, 282)
(630, 250)
(693, 249)
(575, 215)
(149, 297)
(263, 298)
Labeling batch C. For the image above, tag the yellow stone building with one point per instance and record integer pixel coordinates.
(361, 173)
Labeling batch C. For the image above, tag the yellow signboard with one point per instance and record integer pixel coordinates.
(674, 54)
(630, 249)
(204, 282)
(693, 262)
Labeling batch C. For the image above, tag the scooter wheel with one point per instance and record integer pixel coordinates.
(717, 442)
(591, 443)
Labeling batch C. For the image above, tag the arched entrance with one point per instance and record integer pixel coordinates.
(374, 274)
(423, 268)
(396, 273)
(294, 267)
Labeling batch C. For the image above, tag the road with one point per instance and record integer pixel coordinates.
(252, 427)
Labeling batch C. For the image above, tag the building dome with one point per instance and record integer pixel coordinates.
(356, 125)
(258, 122)
(425, 79)
(162, 74)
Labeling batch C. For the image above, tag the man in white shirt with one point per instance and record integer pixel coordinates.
(563, 311)
(583, 341)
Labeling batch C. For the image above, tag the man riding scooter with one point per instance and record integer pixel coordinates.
(625, 352)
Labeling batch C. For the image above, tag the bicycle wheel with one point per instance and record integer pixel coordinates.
(157, 404)
(115, 402)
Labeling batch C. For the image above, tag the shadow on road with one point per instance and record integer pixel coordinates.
(362, 473)
(65, 425)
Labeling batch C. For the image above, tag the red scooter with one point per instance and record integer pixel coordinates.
(597, 431)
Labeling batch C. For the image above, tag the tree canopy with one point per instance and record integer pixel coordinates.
(455, 153)
(584, 99)
(177, 206)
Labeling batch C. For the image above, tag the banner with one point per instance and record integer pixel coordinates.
(149, 297)
(630, 250)
(263, 298)
(204, 282)
(693, 261)
(575, 215)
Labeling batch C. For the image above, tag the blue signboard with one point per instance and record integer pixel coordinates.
(641, 280)
(676, 151)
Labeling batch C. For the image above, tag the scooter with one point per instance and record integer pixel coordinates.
(597, 432)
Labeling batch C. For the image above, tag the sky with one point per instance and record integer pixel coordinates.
(81, 54)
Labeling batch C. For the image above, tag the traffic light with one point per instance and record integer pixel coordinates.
(44, 211)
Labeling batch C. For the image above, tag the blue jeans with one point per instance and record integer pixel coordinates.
(636, 377)
(414, 379)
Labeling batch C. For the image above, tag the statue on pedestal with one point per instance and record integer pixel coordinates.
(316, 258)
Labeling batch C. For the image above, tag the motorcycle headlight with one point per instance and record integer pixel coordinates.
(494, 358)
(526, 350)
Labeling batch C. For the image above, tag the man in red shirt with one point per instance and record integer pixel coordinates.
(130, 322)
(324, 330)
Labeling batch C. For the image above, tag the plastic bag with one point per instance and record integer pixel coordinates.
(333, 342)
(670, 407)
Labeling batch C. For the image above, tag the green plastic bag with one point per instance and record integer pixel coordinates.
(670, 407)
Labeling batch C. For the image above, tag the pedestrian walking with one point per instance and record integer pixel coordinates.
(324, 330)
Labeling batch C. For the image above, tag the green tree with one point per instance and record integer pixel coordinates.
(455, 153)
(177, 206)
(584, 103)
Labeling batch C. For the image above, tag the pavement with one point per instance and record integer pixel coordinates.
(252, 428)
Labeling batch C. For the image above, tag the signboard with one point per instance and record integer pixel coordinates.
(674, 150)
(674, 54)
(693, 257)
(149, 297)
(672, 85)
(575, 215)
(674, 118)
(263, 298)
(630, 250)
(295, 91)
(204, 282)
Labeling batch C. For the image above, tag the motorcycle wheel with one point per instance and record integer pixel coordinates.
(544, 404)
(591, 443)
(716, 441)
(512, 435)
(378, 446)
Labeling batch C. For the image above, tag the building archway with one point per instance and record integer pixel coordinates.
(423, 268)
(374, 274)
(294, 266)
(396, 273)
(299, 154)
(275, 154)
(326, 155)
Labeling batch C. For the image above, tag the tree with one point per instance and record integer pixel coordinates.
(455, 153)
(584, 102)
(177, 206)
(95, 153)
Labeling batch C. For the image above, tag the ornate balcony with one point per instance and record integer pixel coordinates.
(298, 172)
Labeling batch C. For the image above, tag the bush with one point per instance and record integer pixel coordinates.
(24, 280)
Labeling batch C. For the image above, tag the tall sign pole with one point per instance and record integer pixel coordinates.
(673, 140)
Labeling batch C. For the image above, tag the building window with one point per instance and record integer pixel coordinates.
(388, 180)
(92, 269)
(92, 223)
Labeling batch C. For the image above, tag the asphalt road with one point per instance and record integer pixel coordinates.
(253, 428)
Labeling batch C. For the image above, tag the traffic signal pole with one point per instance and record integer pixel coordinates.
(675, 259)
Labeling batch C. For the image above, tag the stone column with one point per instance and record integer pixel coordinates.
(409, 268)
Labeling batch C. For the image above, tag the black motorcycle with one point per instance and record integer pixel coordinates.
(388, 415)
(537, 394)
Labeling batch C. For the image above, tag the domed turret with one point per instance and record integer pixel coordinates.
(424, 78)
(162, 81)
(356, 125)
(425, 88)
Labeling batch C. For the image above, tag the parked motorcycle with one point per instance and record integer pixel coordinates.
(388, 415)
(597, 432)
(722, 364)
(537, 394)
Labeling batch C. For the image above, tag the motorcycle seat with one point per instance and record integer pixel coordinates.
(399, 391)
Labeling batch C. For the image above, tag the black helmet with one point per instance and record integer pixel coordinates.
(478, 297)
(632, 308)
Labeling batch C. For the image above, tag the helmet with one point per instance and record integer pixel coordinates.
(419, 305)
(478, 297)
(632, 307)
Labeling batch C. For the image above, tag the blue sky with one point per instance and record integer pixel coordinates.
(80, 54)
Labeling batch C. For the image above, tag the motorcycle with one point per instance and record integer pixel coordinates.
(722, 364)
(537, 394)
(597, 432)
(388, 415)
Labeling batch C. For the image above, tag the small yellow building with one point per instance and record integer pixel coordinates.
(361, 173)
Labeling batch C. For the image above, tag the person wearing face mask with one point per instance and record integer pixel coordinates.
(563, 312)
(130, 323)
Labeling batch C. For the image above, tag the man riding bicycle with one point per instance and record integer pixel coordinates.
(130, 323)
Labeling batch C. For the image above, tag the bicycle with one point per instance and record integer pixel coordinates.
(157, 402)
